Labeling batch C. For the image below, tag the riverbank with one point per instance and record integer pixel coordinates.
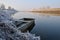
(48, 10)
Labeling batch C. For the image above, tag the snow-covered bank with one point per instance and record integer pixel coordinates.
(8, 29)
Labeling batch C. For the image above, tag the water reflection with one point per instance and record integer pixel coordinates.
(47, 14)
(47, 25)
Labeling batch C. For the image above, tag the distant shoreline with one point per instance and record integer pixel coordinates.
(46, 11)
(50, 10)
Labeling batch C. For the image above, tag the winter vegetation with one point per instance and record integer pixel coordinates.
(8, 29)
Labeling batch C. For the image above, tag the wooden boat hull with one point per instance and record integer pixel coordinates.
(26, 24)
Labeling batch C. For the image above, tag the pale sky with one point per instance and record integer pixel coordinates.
(29, 4)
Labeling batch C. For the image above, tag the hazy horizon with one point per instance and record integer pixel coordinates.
(29, 4)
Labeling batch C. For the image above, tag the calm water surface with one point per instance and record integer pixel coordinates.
(47, 26)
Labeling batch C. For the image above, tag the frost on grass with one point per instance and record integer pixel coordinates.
(8, 29)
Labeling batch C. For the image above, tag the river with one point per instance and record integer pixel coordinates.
(47, 26)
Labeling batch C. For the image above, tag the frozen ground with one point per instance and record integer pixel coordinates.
(8, 29)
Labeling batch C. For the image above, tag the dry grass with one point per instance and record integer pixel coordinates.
(50, 10)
